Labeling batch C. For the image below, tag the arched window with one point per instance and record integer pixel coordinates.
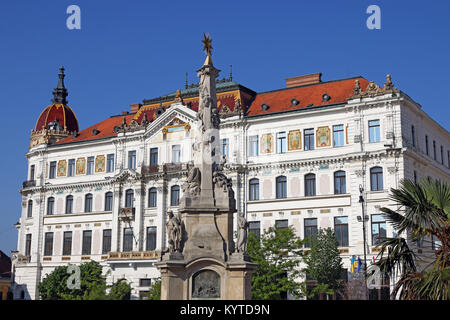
(281, 187)
(88, 202)
(376, 178)
(108, 201)
(152, 197)
(339, 182)
(50, 206)
(174, 195)
(253, 193)
(129, 198)
(30, 209)
(69, 204)
(310, 184)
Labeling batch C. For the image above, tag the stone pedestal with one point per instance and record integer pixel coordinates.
(182, 280)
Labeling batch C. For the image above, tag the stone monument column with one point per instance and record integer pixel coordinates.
(202, 261)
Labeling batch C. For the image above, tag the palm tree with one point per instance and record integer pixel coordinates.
(423, 211)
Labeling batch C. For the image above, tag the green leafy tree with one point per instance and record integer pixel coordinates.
(324, 263)
(92, 285)
(424, 211)
(278, 255)
(155, 291)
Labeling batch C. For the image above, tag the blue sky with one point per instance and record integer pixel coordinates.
(127, 51)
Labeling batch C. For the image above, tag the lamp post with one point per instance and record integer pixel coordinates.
(361, 200)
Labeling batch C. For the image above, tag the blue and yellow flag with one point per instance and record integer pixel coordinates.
(354, 263)
(359, 264)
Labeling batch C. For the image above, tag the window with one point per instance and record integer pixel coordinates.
(341, 230)
(129, 198)
(152, 197)
(127, 239)
(110, 162)
(309, 139)
(254, 146)
(413, 136)
(154, 156)
(281, 224)
(145, 282)
(310, 185)
(426, 145)
(376, 179)
(48, 244)
(106, 241)
(32, 172)
(435, 242)
(281, 142)
(374, 131)
(69, 204)
(108, 201)
(50, 206)
(434, 150)
(338, 135)
(87, 240)
(281, 187)
(174, 195)
(176, 153)
(90, 165)
(255, 228)
(253, 193)
(30, 209)
(67, 243)
(28, 245)
(310, 230)
(151, 239)
(225, 147)
(71, 168)
(131, 159)
(339, 182)
(378, 229)
(442, 155)
(88, 202)
(52, 173)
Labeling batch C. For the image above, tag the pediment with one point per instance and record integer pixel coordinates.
(177, 117)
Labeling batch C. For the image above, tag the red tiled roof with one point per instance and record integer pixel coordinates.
(106, 128)
(280, 100)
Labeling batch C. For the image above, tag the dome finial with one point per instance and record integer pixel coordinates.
(60, 92)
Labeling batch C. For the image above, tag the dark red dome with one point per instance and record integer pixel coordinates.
(64, 115)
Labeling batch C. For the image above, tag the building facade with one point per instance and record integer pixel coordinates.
(299, 156)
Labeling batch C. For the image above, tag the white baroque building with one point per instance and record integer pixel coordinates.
(297, 156)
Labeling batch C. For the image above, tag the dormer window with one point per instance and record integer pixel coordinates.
(325, 97)
(264, 107)
(294, 102)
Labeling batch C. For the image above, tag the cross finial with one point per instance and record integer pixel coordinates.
(207, 47)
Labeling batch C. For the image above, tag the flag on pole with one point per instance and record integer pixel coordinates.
(359, 264)
(354, 262)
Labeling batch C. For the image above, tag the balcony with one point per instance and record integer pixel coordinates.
(150, 169)
(133, 255)
(169, 167)
(29, 184)
(126, 214)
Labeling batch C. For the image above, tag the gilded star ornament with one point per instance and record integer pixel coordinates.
(207, 47)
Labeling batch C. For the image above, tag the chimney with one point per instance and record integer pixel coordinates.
(303, 80)
(135, 107)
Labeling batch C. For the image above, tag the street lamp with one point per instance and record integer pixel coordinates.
(363, 219)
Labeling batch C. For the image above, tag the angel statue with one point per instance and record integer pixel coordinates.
(173, 227)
